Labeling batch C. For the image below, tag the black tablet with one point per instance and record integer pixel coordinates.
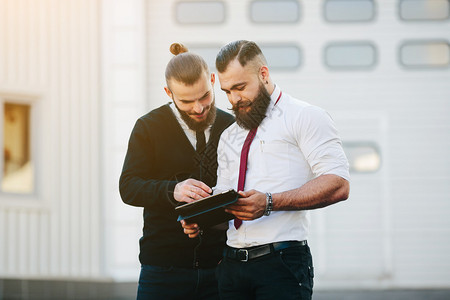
(208, 211)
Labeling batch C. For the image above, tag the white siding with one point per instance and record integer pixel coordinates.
(49, 51)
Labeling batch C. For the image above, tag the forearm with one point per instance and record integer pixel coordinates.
(139, 192)
(319, 192)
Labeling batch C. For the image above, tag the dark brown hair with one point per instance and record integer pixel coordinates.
(244, 51)
(185, 67)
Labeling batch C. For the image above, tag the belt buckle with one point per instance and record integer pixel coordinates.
(239, 255)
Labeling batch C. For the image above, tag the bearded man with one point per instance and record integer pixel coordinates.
(172, 158)
(284, 156)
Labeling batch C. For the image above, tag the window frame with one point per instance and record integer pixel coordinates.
(273, 67)
(372, 19)
(197, 48)
(423, 42)
(12, 198)
(253, 21)
(180, 23)
(363, 143)
(351, 68)
(399, 13)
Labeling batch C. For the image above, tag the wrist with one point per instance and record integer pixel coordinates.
(269, 204)
(171, 192)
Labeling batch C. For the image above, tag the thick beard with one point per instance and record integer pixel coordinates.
(256, 114)
(202, 125)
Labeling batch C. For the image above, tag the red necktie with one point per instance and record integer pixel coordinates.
(243, 166)
(243, 163)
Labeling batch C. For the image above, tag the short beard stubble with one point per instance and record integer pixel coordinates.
(202, 125)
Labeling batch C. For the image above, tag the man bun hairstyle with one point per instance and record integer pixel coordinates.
(177, 48)
(244, 51)
(185, 66)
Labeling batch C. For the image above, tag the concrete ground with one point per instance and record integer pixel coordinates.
(21, 289)
(443, 294)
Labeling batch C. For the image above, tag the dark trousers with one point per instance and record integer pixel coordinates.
(176, 283)
(285, 274)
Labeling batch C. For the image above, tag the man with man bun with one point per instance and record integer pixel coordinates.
(172, 158)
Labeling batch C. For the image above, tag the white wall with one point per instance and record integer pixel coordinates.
(123, 60)
(49, 53)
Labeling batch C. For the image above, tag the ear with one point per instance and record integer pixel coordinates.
(264, 74)
(168, 92)
(213, 78)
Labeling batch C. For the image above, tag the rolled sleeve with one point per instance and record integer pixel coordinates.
(320, 143)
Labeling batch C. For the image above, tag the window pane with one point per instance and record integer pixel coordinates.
(349, 10)
(208, 53)
(286, 57)
(283, 11)
(425, 54)
(17, 164)
(350, 55)
(424, 9)
(362, 157)
(200, 12)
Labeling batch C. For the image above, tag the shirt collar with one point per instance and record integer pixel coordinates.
(274, 97)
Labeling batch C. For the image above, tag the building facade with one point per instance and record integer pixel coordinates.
(78, 73)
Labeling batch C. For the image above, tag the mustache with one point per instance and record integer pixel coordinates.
(199, 114)
(241, 104)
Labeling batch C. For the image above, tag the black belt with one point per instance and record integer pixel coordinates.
(246, 254)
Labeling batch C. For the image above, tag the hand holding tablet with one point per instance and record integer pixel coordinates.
(208, 211)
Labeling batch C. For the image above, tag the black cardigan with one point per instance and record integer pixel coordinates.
(159, 156)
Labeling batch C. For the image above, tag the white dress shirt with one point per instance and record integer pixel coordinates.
(295, 143)
(190, 134)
